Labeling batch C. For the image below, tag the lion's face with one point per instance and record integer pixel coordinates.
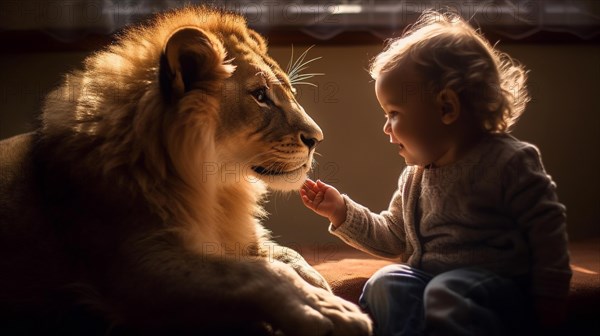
(261, 131)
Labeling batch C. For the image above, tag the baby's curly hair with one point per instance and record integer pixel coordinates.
(449, 53)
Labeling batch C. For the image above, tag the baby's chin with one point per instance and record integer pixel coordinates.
(413, 162)
(408, 161)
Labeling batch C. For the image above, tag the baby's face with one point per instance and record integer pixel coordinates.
(413, 116)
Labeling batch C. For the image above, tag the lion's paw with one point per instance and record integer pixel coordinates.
(303, 320)
(306, 310)
(347, 318)
(324, 314)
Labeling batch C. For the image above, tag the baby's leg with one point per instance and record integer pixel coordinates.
(472, 301)
(393, 297)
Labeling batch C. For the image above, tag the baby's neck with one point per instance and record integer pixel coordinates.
(463, 142)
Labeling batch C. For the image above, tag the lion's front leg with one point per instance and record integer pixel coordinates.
(162, 284)
(292, 258)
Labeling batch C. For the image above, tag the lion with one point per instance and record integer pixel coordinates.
(135, 205)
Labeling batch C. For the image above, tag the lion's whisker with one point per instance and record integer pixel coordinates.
(306, 83)
(295, 68)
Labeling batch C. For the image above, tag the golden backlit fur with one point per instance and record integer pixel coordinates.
(136, 204)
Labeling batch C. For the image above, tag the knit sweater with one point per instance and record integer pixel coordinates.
(495, 208)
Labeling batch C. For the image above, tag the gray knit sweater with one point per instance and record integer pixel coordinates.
(495, 208)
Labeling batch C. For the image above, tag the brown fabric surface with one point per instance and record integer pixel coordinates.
(347, 270)
(584, 295)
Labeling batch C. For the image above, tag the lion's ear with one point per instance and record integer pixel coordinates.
(192, 60)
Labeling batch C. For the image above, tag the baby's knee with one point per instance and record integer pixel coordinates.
(381, 280)
(395, 280)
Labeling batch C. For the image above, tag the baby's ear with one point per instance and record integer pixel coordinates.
(449, 106)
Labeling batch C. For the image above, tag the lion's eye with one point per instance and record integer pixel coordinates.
(260, 95)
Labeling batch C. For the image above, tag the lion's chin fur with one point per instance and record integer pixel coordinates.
(286, 182)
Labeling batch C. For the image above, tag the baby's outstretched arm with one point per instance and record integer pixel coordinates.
(324, 200)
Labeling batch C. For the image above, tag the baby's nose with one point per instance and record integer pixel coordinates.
(386, 128)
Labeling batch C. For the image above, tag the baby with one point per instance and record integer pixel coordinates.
(475, 223)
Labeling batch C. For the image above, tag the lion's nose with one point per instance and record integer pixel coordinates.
(310, 142)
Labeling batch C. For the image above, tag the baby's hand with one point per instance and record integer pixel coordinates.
(325, 200)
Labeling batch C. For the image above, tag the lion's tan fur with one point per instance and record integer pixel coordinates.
(139, 196)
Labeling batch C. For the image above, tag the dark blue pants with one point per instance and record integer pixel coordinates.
(467, 301)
